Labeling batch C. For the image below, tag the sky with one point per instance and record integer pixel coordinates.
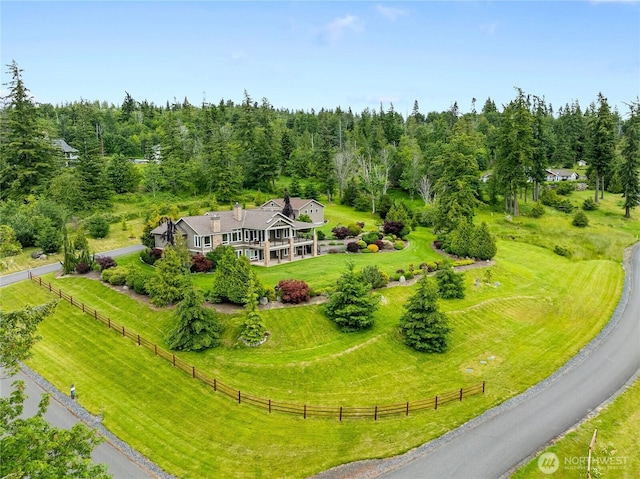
(305, 55)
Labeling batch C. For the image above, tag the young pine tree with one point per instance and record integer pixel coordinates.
(254, 330)
(352, 306)
(423, 326)
(450, 283)
(196, 328)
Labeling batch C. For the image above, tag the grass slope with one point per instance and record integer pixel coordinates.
(545, 308)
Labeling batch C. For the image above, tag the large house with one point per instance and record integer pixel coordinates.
(264, 235)
(561, 175)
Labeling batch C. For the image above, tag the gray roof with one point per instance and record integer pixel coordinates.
(64, 146)
(296, 203)
(255, 219)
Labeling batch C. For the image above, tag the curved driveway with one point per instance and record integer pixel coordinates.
(494, 444)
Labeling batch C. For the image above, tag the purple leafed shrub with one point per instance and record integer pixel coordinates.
(105, 262)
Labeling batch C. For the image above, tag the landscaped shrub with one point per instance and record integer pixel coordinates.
(98, 226)
(362, 244)
(463, 262)
(590, 205)
(392, 227)
(409, 275)
(354, 229)
(360, 224)
(140, 285)
(105, 262)
(305, 218)
(450, 283)
(370, 237)
(562, 251)
(549, 197)
(430, 266)
(352, 247)
(146, 257)
(376, 278)
(116, 276)
(537, 211)
(200, 264)
(362, 203)
(293, 291)
(373, 248)
(82, 268)
(321, 235)
(400, 271)
(379, 243)
(340, 232)
(399, 244)
(580, 220)
(365, 250)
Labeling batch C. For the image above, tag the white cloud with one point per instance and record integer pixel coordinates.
(334, 30)
(390, 12)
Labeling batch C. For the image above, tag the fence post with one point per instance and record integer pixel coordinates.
(40, 279)
(123, 334)
(482, 387)
(436, 408)
(59, 291)
(174, 360)
(193, 372)
(138, 340)
(460, 394)
(95, 314)
(269, 406)
(407, 408)
(155, 350)
(71, 300)
(215, 388)
(305, 411)
(83, 307)
(49, 287)
(109, 322)
(239, 400)
(340, 413)
(375, 414)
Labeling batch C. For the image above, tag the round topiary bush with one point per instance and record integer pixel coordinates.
(399, 244)
(580, 220)
(352, 247)
(373, 248)
(362, 244)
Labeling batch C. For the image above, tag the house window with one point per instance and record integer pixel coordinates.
(285, 234)
(237, 235)
(196, 241)
(207, 241)
(225, 238)
(238, 253)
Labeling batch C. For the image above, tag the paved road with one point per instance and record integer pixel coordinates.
(497, 442)
(49, 268)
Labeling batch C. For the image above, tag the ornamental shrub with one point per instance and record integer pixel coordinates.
(105, 262)
(399, 244)
(352, 247)
(293, 291)
(320, 234)
(362, 244)
(565, 188)
(340, 232)
(379, 243)
(370, 237)
(393, 227)
(200, 264)
(373, 248)
(450, 283)
(354, 229)
(82, 268)
(562, 251)
(376, 278)
(116, 276)
(549, 197)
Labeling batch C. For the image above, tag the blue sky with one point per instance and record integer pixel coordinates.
(303, 55)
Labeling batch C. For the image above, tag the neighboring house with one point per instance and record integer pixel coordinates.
(582, 163)
(486, 177)
(561, 175)
(314, 209)
(69, 152)
(263, 235)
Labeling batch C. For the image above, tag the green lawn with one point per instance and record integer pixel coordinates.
(542, 311)
(617, 443)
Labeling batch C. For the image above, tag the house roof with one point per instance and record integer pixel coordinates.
(255, 219)
(296, 203)
(561, 172)
(64, 146)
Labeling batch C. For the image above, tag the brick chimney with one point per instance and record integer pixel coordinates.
(237, 211)
(215, 223)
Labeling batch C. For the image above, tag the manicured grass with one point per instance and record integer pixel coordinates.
(617, 443)
(544, 309)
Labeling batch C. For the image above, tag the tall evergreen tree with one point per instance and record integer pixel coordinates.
(629, 171)
(515, 150)
(27, 158)
(602, 144)
(253, 329)
(423, 326)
